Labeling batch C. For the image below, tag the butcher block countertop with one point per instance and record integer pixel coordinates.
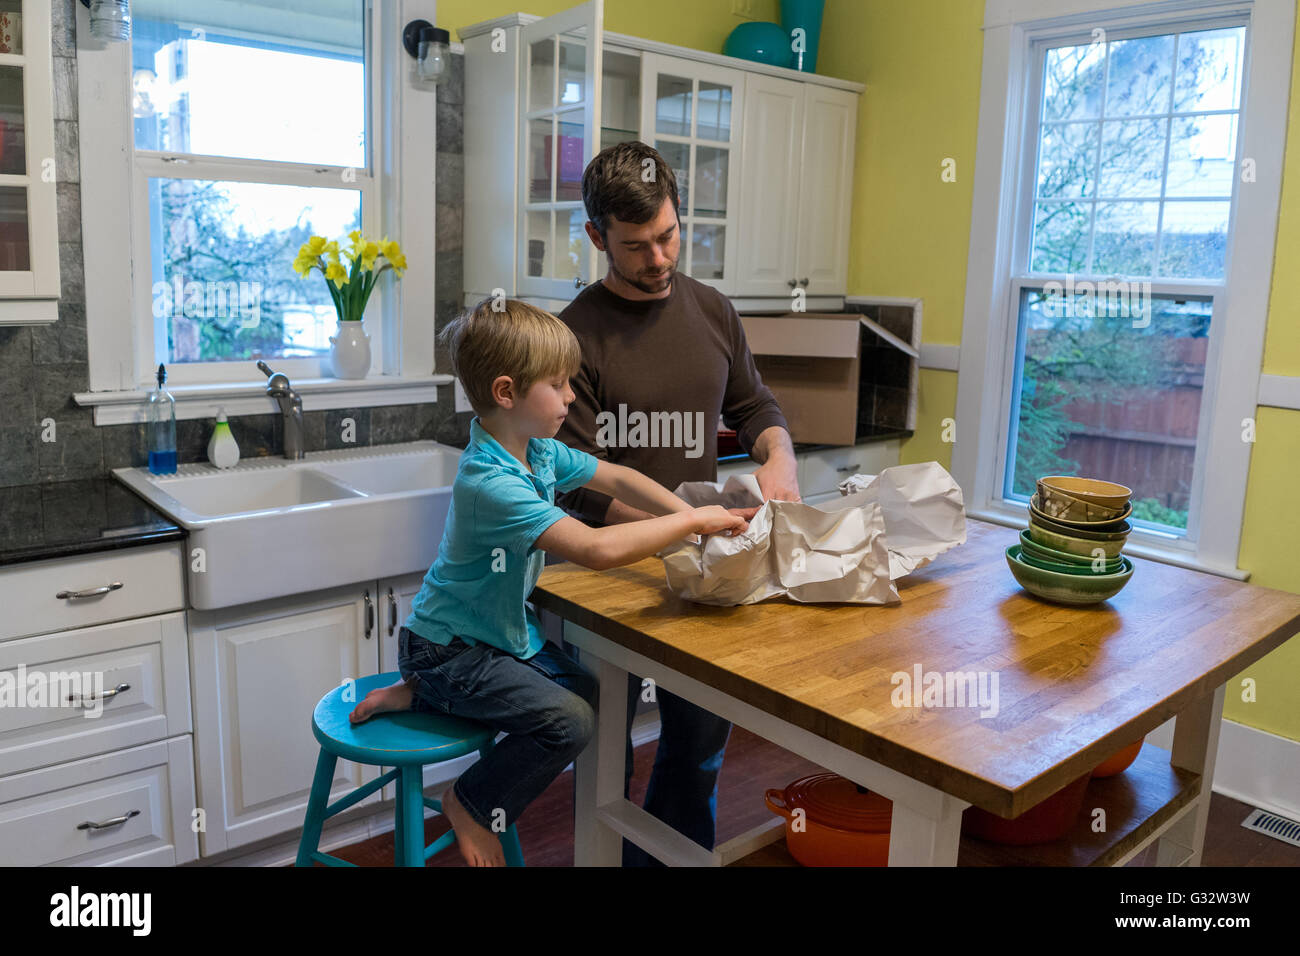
(1075, 684)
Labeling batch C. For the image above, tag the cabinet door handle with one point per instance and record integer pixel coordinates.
(89, 592)
(578, 282)
(370, 614)
(392, 612)
(804, 283)
(115, 822)
(851, 469)
(106, 695)
(793, 283)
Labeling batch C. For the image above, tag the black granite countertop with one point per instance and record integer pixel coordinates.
(876, 435)
(63, 518)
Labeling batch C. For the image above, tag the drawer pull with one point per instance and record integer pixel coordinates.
(89, 592)
(115, 822)
(851, 469)
(392, 613)
(107, 695)
(370, 614)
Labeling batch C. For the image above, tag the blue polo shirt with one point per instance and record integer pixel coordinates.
(487, 565)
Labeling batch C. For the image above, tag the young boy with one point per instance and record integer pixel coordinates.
(471, 647)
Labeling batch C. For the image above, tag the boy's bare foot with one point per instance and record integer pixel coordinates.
(478, 845)
(382, 699)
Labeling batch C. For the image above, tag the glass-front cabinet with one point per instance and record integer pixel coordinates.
(29, 239)
(543, 96)
(690, 113)
(558, 136)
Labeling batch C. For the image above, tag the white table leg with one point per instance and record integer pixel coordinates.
(1196, 745)
(918, 839)
(598, 771)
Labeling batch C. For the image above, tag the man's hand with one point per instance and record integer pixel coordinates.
(778, 478)
(746, 513)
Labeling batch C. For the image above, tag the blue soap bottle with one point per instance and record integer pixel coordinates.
(162, 428)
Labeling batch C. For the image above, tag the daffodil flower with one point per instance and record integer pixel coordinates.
(369, 252)
(335, 273)
(305, 263)
(393, 253)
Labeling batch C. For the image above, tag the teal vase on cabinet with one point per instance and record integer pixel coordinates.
(803, 15)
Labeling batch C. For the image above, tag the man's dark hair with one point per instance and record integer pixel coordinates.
(628, 181)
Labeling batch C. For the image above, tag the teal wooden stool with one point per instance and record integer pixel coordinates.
(405, 741)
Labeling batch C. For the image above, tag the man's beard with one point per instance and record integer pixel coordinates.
(651, 286)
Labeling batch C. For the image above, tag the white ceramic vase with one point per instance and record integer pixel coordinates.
(350, 351)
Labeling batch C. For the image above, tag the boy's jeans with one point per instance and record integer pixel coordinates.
(544, 704)
(683, 790)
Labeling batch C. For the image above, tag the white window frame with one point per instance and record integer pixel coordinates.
(119, 304)
(1231, 391)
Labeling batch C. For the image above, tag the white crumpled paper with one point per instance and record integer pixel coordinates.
(846, 551)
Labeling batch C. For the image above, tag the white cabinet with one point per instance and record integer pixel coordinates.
(96, 760)
(396, 595)
(132, 807)
(39, 597)
(797, 188)
(29, 234)
(259, 671)
(559, 96)
(690, 113)
(765, 184)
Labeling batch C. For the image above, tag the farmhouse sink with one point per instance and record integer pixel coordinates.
(270, 527)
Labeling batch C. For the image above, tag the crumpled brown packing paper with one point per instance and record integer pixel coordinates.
(846, 551)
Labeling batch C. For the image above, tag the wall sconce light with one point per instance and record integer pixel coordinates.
(429, 46)
(109, 19)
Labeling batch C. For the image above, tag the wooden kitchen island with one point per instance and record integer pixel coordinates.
(1074, 685)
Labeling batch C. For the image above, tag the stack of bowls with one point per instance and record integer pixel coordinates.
(1070, 553)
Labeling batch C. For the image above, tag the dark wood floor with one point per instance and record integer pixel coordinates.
(753, 765)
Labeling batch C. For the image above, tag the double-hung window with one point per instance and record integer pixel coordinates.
(245, 129)
(250, 136)
(1122, 340)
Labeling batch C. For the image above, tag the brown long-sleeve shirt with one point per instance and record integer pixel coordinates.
(655, 377)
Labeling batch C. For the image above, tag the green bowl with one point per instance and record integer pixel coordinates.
(1071, 544)
(1074, 589)
(1029, 548)
(1113, 531)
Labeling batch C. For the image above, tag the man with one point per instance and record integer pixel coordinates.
(654, 340)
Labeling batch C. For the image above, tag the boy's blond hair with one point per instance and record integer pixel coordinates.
(508, 337)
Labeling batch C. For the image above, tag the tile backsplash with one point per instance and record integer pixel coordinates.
(42, 366)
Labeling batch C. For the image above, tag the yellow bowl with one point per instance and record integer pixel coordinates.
(1108, 494)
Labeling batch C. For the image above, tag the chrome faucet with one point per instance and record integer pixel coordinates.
(290, 402)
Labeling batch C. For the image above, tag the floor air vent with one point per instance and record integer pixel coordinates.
(1270, 824)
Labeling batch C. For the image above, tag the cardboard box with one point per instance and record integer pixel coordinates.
(812, 363)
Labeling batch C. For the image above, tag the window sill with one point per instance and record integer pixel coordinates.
(250, 398)
(1139, 543)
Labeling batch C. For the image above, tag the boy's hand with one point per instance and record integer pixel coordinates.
(746, 513)
(712, 519)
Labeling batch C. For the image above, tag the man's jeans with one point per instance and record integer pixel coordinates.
(544, 704)
(683, 790)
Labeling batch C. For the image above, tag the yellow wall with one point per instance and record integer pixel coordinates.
(920, 60)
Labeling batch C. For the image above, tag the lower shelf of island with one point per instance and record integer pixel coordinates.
(1137, 803)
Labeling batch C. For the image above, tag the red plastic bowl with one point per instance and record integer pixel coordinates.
(1042, 823)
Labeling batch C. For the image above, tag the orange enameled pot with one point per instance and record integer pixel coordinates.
(1119, 761)
(841, 824)
(1042, 823)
